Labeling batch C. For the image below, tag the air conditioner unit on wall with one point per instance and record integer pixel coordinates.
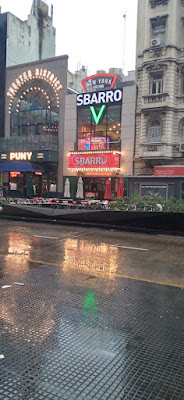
(182, 147)
(155, 42)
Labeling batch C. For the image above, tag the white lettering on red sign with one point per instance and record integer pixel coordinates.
(94, 161)
(91, 160)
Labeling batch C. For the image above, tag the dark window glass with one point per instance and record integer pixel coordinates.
(148, 190)
(104, 135)
(171, 190)
(158, 32)
(136, 187)
(114, 127)
(154, 88)
(35, 112)
(182, 132)
(156, 84)
(182, 84)
(154, 134)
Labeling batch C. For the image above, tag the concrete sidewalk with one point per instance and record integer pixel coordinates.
(89, 320)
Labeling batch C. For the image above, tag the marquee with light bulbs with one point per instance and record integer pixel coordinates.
(94, 161)
(38, 75)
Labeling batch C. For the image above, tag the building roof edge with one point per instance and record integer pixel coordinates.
(57, 58)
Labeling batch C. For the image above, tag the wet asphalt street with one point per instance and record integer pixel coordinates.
(90, 314)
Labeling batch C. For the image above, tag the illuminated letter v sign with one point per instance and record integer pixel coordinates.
(94, 114)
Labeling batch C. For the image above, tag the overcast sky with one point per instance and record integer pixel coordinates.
(91, 32)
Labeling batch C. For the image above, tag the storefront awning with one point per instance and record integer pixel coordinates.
(20, 166)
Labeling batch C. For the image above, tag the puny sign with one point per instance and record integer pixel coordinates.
(21, 155)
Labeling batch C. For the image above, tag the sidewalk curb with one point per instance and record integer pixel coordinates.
(93, 225)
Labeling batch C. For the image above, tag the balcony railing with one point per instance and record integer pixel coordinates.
(29, 143)
(156, 150)
(155, 98)
(44, 148)
(180, 99)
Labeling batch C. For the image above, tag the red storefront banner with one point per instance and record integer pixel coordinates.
(176, 170)
(94, 161)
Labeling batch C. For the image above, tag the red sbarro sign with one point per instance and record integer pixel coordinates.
(94, 161)
(175, 170)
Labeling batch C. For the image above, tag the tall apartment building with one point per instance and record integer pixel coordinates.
(160, 85)
(23, 42)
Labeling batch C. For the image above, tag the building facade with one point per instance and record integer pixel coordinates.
(159, 133)
(48, 128)
(33, 139)
(24, 42)
(52, 133)
(99, 134)
(160, 85)
(30, 40)
(74, 79)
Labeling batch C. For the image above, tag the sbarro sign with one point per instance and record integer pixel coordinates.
(94, 161)
(105, 97)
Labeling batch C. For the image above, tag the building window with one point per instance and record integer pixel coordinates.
(35, 112)
(182, 83)
(158, 31)
(182, 131)
(106, 135)
(154, 133)
(156, 84)
(157, 190)
(155, 3)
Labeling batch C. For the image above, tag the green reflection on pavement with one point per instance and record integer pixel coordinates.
(90, 303)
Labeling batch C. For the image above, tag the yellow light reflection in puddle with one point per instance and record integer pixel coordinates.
(13, 305)
(18, 250)
(15, 324)
(88, 256)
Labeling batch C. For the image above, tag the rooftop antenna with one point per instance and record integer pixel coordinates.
(124, 36)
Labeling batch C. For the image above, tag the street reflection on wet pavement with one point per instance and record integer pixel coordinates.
(90, 314)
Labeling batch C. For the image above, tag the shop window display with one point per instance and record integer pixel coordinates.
(94, 188)
(148, 190)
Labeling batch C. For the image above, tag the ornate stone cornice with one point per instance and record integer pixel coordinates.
(160, 19)
(155, 3)
(181, 66)
(157, 67)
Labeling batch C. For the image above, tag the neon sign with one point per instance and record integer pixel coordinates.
(108, 96)
(96, 116)
(99, 81)
(27, 76)
(14, 174)
(21, 156)
(99, 161)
